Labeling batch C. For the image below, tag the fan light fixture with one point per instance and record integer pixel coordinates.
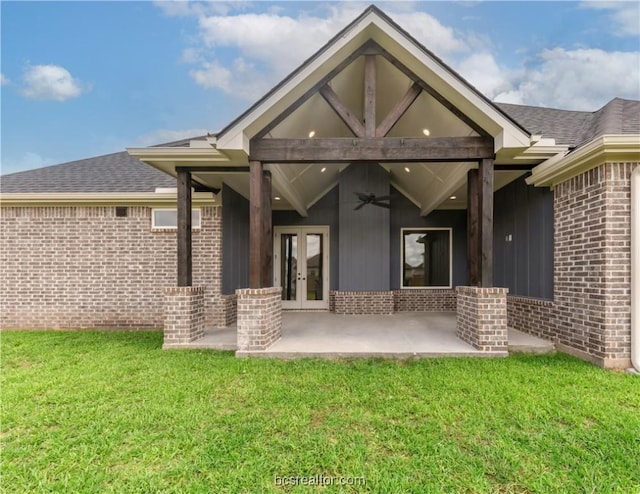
(426, 132)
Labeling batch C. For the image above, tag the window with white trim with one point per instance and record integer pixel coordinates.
(167, 219)
(426, 257)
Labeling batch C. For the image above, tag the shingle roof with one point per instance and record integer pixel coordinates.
(117, 172)
(575, 128)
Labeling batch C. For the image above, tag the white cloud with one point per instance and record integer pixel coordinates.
(625, 16)
(51, 82)
(483, 72)
(269, 45)
(162, 136)
(4, 81)
(583, 79)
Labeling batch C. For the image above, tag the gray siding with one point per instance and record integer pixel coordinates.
(364, 234)
(324, 212)
(525, 263)
(235, 241)
(404, 214)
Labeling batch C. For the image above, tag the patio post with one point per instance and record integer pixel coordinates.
(184, 228)
(256, 231)
(486, 231)
(473, 226)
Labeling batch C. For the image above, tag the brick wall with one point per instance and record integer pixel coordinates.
(183, 315)
(593, 264)
(83, 267)
(363, 302)
(228, 310)
(259, 318)
(481, 318)
(411, 300)
(532, 315)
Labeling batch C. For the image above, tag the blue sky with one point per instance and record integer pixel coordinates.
(81, 79)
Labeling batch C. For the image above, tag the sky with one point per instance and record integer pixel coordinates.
(82, 79)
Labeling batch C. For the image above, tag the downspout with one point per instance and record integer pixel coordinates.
(635, 269)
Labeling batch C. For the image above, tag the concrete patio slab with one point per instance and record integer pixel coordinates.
(401, 335)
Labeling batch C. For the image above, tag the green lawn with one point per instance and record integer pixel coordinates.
(112, 412)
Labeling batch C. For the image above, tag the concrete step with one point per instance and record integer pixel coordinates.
(520, 342)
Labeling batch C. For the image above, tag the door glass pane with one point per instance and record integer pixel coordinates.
(289, 265)
(315, 289)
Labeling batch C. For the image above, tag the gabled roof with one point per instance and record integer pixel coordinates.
(374, 25)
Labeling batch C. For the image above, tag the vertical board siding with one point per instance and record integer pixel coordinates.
(524, 264)
(364, 234)
(235, 241)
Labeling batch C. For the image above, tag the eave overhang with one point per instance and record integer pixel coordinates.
(606, 148)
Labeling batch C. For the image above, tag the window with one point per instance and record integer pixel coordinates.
(426, 257)
(167, 219)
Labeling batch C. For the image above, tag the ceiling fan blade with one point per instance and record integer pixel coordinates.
(360, 206)
(362, 196)
(381, 204)
(383, 198)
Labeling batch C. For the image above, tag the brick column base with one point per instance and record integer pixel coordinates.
(184, 315)
(482, 317)
(259, 317)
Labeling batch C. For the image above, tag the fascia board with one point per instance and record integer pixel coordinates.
(600, 150)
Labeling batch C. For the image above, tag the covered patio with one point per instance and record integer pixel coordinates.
(401, 335)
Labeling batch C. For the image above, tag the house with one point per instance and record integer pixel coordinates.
(373, 179)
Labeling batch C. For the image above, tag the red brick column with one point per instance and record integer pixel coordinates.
(259, 317)
(482, 317)
(184, 315)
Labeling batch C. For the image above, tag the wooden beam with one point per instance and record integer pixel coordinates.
(184, 229)
(486, 229)
(370, 95)
(335, 150)
(473, 244)
(256, 233)
(266, 267)
(398, 110)
(314, 89)
(441, 99)
(214, 169)
(343, 112)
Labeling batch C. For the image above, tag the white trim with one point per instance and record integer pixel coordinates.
(101, 199)
(301, 231)
(606, 148)
(196, 225)
(426, 229)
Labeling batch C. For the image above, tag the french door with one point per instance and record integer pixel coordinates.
(301, 266)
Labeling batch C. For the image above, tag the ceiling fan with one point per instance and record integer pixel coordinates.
(372, 199)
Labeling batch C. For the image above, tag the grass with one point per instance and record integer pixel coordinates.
(112, 412)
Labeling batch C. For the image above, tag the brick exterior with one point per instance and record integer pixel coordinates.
(259, 317)
(592, 291)
(184, 310)
(482, 317)
(533, 316)
(412, 300)
(372, 302)
(590, 316)
(83, 267)
(228, 310)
